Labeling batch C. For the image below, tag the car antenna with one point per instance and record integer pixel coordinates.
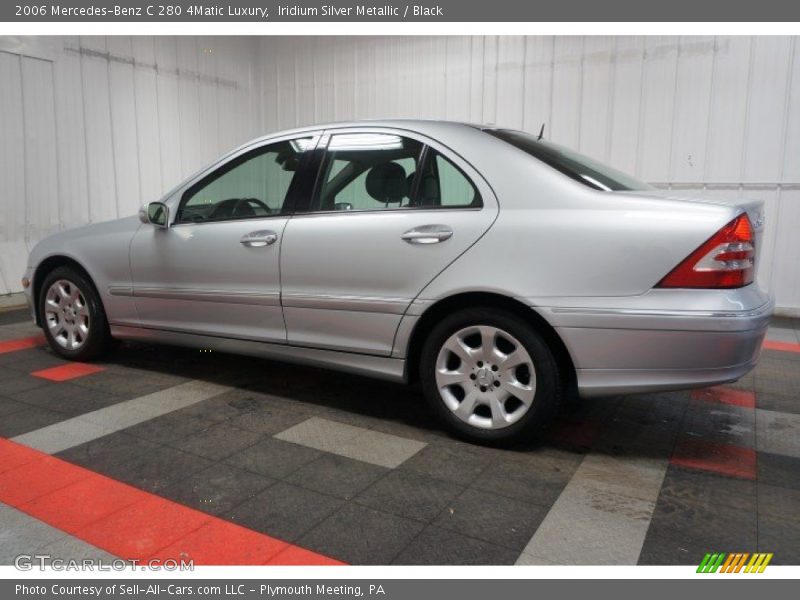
(541, 133)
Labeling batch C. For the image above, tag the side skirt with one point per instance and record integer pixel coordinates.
(390, 369)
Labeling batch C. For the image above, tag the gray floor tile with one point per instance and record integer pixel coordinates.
(374, 447)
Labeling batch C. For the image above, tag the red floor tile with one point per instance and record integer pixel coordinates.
(13, 455)
(725, 395)
(724, 459)
(22, 343)
(82, 503)
(129, 522)
(781, 346)
(67, 371)
(34, 479)
(220, 542)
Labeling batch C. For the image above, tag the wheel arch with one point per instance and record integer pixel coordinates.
(47, 266)
(441, 308)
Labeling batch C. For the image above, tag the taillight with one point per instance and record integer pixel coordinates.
(726, 260)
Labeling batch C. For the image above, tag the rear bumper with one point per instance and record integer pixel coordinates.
(633, 350)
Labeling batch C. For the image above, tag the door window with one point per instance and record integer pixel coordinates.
(444, 185)
(252, 186)
(368, 171)
(376, 171)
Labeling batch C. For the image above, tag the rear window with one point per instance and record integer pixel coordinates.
(581, 168)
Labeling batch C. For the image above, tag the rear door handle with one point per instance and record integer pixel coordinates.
(427, 234)
(259, 239)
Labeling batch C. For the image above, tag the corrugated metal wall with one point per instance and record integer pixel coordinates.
(92, 127)
(719, 115)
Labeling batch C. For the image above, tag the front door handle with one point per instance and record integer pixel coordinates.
(427, 234)
(259, 239)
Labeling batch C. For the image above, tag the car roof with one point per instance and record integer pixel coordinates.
(425, 126)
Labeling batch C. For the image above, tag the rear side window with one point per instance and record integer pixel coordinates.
(376, 171)
(252, 186)
(581, 168)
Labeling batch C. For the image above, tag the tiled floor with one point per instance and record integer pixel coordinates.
(338, 467)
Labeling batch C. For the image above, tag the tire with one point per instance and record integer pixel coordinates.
(69, 303)
(504, 403)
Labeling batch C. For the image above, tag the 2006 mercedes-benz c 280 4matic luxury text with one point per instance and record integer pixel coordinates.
(497, 268)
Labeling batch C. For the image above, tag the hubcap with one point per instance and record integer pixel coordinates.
(66, 314)
(486, 377)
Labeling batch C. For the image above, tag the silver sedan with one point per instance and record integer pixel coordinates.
(498, 269)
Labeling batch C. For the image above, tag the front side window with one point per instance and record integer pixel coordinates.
(252, 186)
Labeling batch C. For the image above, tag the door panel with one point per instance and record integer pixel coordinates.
(216, 270)
(200, 278)
(348, 274)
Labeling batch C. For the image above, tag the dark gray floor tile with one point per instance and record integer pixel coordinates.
(707, 490)
(273, 458)
(410, 495)
(539, 479)
(217, 441)
(781, 537)
(267, 421)
(28, 419)
(70, 400)
(779, 470)
(361, 536)
(217, 489)
(157, 469)
(683, 529)
(22, 383)
(337, 475)
(454, 463)
(284, 511)
(168, 428)
(437, 546)
(493, 518)
(8, 406)
(103, 453)
(779, 502)
(788, 403)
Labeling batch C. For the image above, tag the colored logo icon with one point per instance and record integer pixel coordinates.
(734, 562)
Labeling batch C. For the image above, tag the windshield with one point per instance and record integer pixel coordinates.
(581, 168)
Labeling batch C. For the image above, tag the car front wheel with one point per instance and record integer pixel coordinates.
(490, 376)
(72, 315)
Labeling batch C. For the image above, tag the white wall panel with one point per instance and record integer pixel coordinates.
(93, 126)
(127, 118)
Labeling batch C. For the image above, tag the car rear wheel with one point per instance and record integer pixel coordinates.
(72, 316)
(490, 376)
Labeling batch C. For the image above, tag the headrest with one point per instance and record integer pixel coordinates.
(386, 182)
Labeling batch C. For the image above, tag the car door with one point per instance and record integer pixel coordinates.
(391, 210)
(215, 270)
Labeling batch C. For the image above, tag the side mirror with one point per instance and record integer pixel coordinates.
(155, 214)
